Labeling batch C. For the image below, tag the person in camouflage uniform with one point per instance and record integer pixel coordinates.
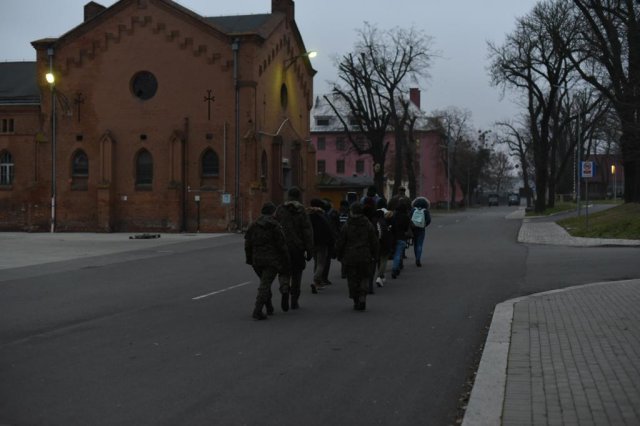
(357, 247)
(298, 234)
(266, 251)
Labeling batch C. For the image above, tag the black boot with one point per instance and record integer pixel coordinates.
(362, 304)
(269, 306)
(257, 312)
(294, 301)
(285, 302)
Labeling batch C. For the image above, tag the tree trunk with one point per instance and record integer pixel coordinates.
(399, 159)
(410, 165)
(631, 181)
(630, 147)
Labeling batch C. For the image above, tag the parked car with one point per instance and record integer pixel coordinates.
(513, 200)
(492, 200)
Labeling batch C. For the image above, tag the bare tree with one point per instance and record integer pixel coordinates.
(359, 101)
(608, 58)
(455, 125)
(374, 78)
(518, 141)
(533, 61)
(498, 170)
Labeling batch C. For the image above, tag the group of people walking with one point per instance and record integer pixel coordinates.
(362, 236)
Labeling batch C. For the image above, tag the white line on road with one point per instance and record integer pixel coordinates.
(221, 291)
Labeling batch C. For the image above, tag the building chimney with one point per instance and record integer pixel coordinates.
(285, 6)
(92, 9)
(414, 96)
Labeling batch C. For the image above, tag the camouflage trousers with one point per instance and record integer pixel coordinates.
(267, 275)
(358, 276)
(290, 282)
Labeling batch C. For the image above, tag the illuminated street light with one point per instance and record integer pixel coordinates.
(290, 61)
(52, 83)
(615, 181)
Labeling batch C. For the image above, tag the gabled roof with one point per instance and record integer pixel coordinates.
(18, 83)
(239, 24)
(256, 24)
(323, 111)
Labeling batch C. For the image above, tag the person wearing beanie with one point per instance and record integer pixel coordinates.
(298, 234)
(266, 251)
(357, 248)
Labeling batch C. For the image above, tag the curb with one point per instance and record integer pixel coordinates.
(488, 393)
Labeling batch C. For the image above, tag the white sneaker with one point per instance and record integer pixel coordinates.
(380, 282)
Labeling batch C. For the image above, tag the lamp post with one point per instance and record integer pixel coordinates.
(52, 84)
(615, 179)
(448, 166)
(235, 47)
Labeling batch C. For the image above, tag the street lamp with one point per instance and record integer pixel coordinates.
(615, 179)
(290, 61)
(448, 166)
(52, 84)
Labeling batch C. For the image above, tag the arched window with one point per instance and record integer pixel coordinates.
(6, 168)
(80, 165)
(210, 164)
(144, 168)
(79, 171)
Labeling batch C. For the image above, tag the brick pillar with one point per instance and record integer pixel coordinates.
(275, 173)
(105, 192)
(296, 172)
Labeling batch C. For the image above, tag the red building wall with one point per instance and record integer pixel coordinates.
(98, 114)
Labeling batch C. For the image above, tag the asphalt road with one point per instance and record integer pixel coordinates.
(164, 336)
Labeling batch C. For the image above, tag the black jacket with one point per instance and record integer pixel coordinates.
(322, 233)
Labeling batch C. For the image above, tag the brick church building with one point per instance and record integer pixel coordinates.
(157, 119)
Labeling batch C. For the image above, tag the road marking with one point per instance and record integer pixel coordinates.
(221, 291)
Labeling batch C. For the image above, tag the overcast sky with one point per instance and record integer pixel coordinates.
(460, 30)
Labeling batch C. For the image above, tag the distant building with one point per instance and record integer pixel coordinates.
(338, 164)
(607, 180)
(163, 120)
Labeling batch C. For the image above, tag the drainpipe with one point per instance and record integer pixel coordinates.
(185, 184)
(235, 47)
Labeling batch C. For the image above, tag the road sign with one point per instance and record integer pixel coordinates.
(587, 169)
(226, 198)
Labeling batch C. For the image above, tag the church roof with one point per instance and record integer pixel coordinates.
(239, 24)
(18, 83)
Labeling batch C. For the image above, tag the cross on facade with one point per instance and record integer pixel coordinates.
(208, 99)
(78, 100)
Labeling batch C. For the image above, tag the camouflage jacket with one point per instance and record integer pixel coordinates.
(264, 244)
(296, 225)
(358, 241)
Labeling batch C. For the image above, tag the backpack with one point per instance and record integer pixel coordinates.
(417, 218)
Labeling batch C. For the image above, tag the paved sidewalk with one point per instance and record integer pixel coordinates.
(25, 249)
(565, 357)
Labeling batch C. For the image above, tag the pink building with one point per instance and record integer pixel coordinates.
(341, 169)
